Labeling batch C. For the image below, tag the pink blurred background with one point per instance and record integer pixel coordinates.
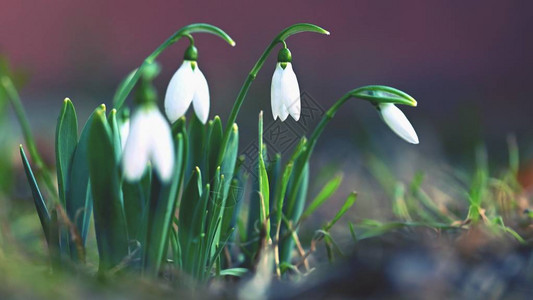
(468, 63)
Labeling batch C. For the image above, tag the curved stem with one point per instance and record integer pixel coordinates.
(126, 87)
(42, 170)
(280, 38)
(375, 94)
(190, 38)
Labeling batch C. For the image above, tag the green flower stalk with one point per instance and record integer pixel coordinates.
(377, 95)
(280, 38)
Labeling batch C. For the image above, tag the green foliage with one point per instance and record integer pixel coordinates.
(78, 195)
(109, 218)
(186, 223)
(40, 204)
(160, 212)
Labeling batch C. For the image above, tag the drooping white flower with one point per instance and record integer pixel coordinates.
(187, 85)
(149, 140)
(397, 121)
(284, 91)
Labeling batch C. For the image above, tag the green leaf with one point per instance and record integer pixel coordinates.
(115, 131)
(109, 219)
(237, 272)
(78, 194)
(264, 190)
(222, 183)
(281, 188)
(233, 202)
(54, 244)
(176, 248)
(66, 141)
(227, 167)
(201, 251)
(40, 204)
(136, 195)
(196, 155)
(190, 218)
(297, 194)
(161, 210)
(214, 140)
(327, 191)
(345, 207)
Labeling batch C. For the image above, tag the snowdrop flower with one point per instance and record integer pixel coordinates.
(398, 122)
(285, 92)
(149, 140)
(187, 85)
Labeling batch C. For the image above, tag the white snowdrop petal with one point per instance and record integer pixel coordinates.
(275, 92)
(161, 146)
(291, 92)
(124, 133)
(397, 121)
(283, 112)
(201, 96)
(136, 151)
(180, 92)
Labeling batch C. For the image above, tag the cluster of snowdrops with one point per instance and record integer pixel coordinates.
(161, 190)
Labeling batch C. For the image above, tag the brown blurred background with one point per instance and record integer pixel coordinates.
(468, 63)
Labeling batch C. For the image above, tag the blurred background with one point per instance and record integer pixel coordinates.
(468, 63)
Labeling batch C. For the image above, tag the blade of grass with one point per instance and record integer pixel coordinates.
(327, 191)
(345, 207)
(40, 204)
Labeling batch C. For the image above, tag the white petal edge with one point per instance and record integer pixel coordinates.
(124, 130)
(180, 92)
(161, 146)
(291, 92)
(275, 91)
(136, 151)
(398, 122)
(200, 99)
